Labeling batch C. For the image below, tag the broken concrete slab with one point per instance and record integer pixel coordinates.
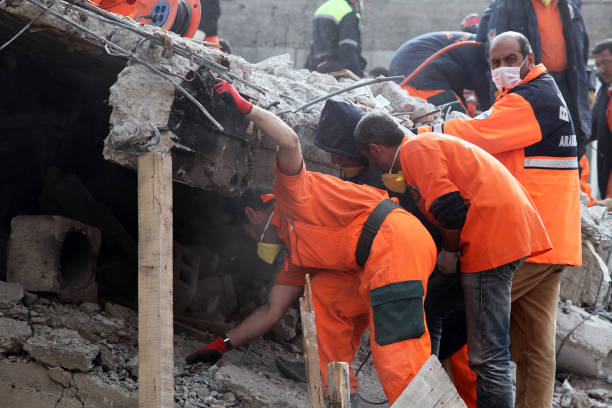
(583, 343)
(257, 391)
(96, 393)
(121, 312)
(63, 348)
(60, 376)
(589, 284)
(10, 294)
(13, 333)
(28, 385)
(49, 253)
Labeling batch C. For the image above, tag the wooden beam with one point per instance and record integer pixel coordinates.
(339, 385)
(430, 388)
(311, 348)
(155, 333)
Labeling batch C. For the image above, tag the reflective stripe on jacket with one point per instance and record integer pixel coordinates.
(529, 130)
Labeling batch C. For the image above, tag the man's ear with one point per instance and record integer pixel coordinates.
(251, 215)
(530, 60)
(374, 148)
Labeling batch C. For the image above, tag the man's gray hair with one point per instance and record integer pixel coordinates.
(377, 128)
(523, 42)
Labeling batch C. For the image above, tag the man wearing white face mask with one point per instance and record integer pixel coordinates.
(529, 130)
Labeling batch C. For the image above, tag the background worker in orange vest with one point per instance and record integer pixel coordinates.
(338, 226)
(489, 224)
(529, 130)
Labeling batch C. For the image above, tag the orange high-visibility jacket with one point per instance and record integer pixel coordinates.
(529, 130)
(502, 224)
(319, 218)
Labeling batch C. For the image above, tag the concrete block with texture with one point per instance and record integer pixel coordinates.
(583, 343)
(63, 348)
(13, 333)
(257, 391)
(49, 253)
(589, 284)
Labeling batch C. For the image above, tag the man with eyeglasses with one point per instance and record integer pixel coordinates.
(602, 116)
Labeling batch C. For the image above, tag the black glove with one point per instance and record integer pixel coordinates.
(450, 210)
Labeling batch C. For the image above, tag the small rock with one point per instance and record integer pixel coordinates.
(201, 391)
(13, 333)
(60, 376)
(90, 307)
(599, 394)
(10, 294)
(29, 299)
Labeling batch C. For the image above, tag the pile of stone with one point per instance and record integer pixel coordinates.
(63, 355)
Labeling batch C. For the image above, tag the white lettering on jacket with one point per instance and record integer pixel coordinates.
(563, 113)
(568, 141)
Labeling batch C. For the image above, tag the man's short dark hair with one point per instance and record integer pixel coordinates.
(378, 128)
(602, 46)
(252, 198)
(524, 45)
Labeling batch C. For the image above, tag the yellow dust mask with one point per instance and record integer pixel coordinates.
(265, 251)
(395, 181)
(352, 171)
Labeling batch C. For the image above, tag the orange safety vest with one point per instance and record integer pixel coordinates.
(529, 130)
(502, 224)
(320, 217)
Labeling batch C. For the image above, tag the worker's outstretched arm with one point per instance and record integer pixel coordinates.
(254, 326)
(289, 155)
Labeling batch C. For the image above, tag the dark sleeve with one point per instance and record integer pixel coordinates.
(450, 210)
(211, 11)
(349, 40)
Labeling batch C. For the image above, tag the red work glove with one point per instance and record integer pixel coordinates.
(210, 353)
(224, 87)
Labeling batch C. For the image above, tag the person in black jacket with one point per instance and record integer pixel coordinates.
(602, 116)
(556, 32)
(444, 78)
(336, 38)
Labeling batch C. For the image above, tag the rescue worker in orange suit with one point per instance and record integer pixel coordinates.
(602, 116)
(336, 38)
(444, 306)
(556, 31)
(529, 130)
(349, 232)
(444, 78)
(489, 225)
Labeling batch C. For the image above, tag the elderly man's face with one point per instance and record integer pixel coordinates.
(506, 52)
(603, 63)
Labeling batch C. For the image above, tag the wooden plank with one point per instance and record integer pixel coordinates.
(155, 332)
(339, 385)
(430, 388)
(311, 348)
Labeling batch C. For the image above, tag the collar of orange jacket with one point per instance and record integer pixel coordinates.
(534, 73)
